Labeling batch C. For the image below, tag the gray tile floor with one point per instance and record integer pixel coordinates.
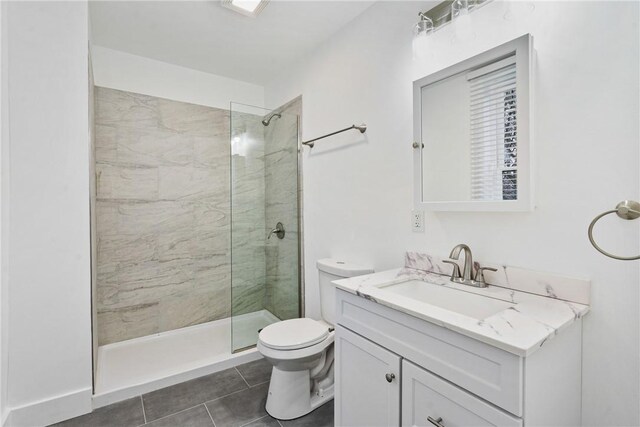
(231, 398)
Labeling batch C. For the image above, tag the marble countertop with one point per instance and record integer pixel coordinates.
(520, 329)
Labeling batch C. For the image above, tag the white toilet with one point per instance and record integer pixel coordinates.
(301, 350)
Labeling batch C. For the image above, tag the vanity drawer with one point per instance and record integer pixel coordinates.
(488, 372)
(430, 401)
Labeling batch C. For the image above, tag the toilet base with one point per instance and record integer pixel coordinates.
(290, 394)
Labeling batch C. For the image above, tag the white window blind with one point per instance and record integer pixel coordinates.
(494, 150)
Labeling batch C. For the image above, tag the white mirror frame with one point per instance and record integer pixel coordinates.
(522, 47)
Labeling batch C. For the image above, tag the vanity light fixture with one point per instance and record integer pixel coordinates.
(459, 8)
(249, 8)
(424, 26)
(449, 10)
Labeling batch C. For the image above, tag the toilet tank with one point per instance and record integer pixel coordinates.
(334, 269)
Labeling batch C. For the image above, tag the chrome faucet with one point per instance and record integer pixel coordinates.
(469, 276)
(467, 270)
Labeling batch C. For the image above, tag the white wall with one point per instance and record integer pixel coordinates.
(119, 70)
(49, 371)
(4, 186)
(358, 191)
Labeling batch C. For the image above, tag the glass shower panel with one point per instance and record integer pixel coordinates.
(265, 243)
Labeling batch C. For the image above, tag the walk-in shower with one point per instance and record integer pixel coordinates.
(265, 272)
(186, 275)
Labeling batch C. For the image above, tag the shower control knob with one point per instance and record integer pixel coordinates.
(278, 231)
(390, 377)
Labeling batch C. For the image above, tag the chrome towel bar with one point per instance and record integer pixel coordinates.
(362, 128)
(627, 209)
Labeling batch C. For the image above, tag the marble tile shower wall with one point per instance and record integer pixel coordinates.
(163, 220)
(282, 258)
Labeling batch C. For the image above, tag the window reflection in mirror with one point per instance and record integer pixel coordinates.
(470, 135)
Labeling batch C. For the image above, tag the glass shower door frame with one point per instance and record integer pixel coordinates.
(250, 130)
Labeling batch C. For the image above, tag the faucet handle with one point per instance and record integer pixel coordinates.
(480, 274)
(455, 274)
(278, 231)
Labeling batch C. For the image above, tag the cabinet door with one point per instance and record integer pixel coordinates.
(430, 401)
(367, 382)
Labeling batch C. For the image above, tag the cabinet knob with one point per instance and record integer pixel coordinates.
(436, 421)
(390, 377)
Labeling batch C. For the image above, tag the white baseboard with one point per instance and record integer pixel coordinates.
(50, 411)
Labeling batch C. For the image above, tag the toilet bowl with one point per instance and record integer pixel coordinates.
(302, 374)
(301, 350)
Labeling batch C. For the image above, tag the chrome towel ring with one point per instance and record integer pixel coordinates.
(626, 209)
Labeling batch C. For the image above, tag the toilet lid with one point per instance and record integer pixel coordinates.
(293, 334)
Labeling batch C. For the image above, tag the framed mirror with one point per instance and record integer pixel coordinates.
(472, 133)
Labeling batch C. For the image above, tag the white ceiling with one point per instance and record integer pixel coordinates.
(205, 36)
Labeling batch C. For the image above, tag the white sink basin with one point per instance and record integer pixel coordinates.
(465, 303)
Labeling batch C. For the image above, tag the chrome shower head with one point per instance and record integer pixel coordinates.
(268, 120)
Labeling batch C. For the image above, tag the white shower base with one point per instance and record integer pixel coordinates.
(129, 368)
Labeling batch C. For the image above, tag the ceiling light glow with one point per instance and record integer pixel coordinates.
(245, 7)
(248, 5)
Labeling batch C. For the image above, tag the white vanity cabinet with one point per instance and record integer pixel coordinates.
(394, 369)
(428, 400)
(367, 384)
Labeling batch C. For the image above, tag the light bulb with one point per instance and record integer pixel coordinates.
(459, 8)
(421, 32)
(462, 19)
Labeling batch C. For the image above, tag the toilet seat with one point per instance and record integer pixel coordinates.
(293, 334)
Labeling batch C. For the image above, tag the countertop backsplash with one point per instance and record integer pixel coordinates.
(550, 285)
